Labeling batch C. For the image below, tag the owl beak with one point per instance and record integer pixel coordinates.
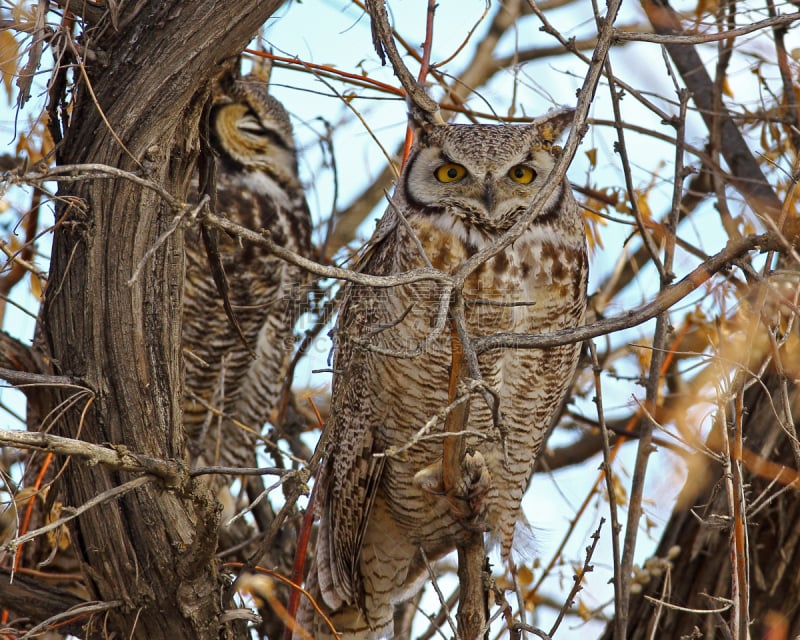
(488, 194)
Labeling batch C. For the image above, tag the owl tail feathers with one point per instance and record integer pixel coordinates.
(513, 538)
(349, 620)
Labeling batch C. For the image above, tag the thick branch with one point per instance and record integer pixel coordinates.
(37, 601)
(114, 457)
(112, 309)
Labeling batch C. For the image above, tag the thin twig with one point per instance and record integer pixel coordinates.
(621, 148)
(446, 606)
(105, 496)
(616, 527)
(424, 432)
(740, 586)
(186, 214)
(578, 578)
(88, 83)
(519, 626)
(676, 607)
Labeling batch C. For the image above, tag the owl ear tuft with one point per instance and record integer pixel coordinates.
(422, 123)
(422, 133)
(552, 125)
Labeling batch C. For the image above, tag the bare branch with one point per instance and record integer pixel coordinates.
(90, 171)
(383, 41)
(263, 239)
(115, 456)
(702, 38)
(25, 378)
(578, 578)
(239, 471)
(665, 299)
(616, 527)
(40, 31)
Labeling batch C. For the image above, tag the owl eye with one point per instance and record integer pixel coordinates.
(450, 172)
(522, 174)
(249, 123)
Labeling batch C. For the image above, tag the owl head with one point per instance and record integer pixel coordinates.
(483, 176)
(251, 128)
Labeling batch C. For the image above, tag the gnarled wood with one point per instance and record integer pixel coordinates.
(153, 549)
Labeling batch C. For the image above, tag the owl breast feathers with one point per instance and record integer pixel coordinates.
(461, 188)
(229, 393)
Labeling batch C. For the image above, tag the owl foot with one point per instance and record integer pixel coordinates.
(466, 497)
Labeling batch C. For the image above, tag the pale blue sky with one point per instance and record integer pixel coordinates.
(334, 32)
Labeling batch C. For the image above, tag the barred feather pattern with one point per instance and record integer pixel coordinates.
(229, 394)
(376, 514)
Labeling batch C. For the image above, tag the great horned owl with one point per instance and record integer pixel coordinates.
(230, 394)
(461, 188)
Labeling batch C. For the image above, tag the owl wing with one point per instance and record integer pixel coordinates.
(279, 299)
(350, 479)
(351, 473)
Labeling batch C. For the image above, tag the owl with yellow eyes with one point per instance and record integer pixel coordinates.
(380, 515)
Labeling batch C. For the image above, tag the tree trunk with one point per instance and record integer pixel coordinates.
(152, 549)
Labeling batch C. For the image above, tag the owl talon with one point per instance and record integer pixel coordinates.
(476, 473)
(465, 499)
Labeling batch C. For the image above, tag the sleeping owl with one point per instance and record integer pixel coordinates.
(233, 389)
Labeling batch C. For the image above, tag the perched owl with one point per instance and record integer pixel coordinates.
(462, 187)
(258, 188)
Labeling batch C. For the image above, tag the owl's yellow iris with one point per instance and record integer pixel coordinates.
(522, 174)
(450, 172)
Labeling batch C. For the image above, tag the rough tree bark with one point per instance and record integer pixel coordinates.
(153, 548)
